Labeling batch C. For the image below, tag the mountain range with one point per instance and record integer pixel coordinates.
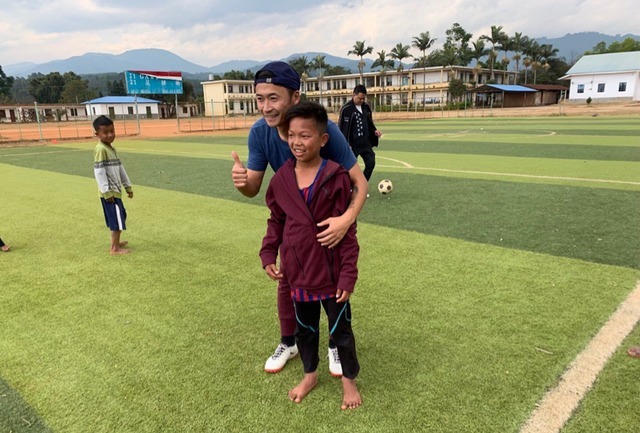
(571, 47)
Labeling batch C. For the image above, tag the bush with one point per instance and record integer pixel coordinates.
(589, 100)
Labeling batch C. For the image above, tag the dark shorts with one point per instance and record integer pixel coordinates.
(115, 214)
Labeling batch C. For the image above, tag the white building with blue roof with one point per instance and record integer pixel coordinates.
(612, 77)
(123, 107)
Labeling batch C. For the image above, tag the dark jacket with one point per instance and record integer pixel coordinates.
(292, 227)
(346, 121)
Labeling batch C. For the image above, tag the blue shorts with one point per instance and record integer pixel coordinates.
(114, 214)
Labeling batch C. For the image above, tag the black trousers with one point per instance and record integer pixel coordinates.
(307, 334)
(369, 157)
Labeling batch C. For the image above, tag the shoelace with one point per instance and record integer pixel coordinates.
(336, 356)
(279, 351)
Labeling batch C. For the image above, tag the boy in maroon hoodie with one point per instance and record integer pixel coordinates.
(305, 190)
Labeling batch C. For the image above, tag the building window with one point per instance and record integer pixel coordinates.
(580, 88)
(230, 87)
(73, 111)
(241, 105)
(185, 110)
(622, 86)
(600, 87)
(130, 110)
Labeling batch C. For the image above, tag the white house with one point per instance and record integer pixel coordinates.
(123, 107)
(612, 77)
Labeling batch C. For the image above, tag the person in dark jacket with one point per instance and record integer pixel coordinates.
(305, 190)
(356, 124)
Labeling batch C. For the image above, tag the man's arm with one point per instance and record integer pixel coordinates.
(248, 182)
(338, 226)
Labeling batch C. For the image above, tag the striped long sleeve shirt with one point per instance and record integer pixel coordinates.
(109, 172)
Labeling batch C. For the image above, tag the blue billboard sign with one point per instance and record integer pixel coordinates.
(153, 82)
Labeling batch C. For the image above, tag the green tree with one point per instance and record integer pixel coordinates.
(457, 89)
(46, 89)
(75, 90)
(6, 83)
(495, 37)
(423, 42)
(518, 44)
(360, 50)
(456, 48)
(301, 65)
(319, 64)
(478, 51)
(336, 70)
(398, 53)
(116, 88)
(627, 45)
(385, 64)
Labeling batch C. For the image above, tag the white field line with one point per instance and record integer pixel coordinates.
(492, 173)
(558, 404)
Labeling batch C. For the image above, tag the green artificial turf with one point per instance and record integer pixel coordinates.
(476, 291)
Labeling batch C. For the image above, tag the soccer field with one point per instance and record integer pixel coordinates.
(504, 248)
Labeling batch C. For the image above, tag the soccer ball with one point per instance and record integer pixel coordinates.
(385, 186)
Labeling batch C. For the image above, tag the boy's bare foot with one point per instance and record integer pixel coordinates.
(120, 251)
(351, 397)
(123, 244)
(5, 248)
(308, 382)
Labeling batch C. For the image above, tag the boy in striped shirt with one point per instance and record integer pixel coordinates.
(112, 180)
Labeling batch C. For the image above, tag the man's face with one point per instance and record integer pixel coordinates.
(274, 101)
(359, 98)
(106, 133)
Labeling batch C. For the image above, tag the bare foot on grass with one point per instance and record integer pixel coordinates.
(5, 248)
(120, 251)
(350, 395)
(308, 382)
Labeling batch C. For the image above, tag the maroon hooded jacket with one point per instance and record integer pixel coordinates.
(292, 227)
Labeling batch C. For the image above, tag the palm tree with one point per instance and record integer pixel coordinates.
(400, 52)
(384, 64)
(534, 58)
(495, 38)
(302, 66)
(479, 50)
(318, 64)
(423, 43)
(360, 51)
(518, 43)
(506, 45)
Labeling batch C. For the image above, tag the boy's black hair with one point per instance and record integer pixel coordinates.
(101, 121)
(359, 89)
(308, 110)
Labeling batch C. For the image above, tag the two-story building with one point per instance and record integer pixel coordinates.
(421, 86)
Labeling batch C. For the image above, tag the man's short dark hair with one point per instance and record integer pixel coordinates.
(101, 121)
(308, 110)
(359, 89)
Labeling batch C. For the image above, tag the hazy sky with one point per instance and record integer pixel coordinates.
(209, 32)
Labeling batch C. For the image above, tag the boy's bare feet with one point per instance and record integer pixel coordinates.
(351, 397)
(5, 248)
(120, 251)
(308, 382)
